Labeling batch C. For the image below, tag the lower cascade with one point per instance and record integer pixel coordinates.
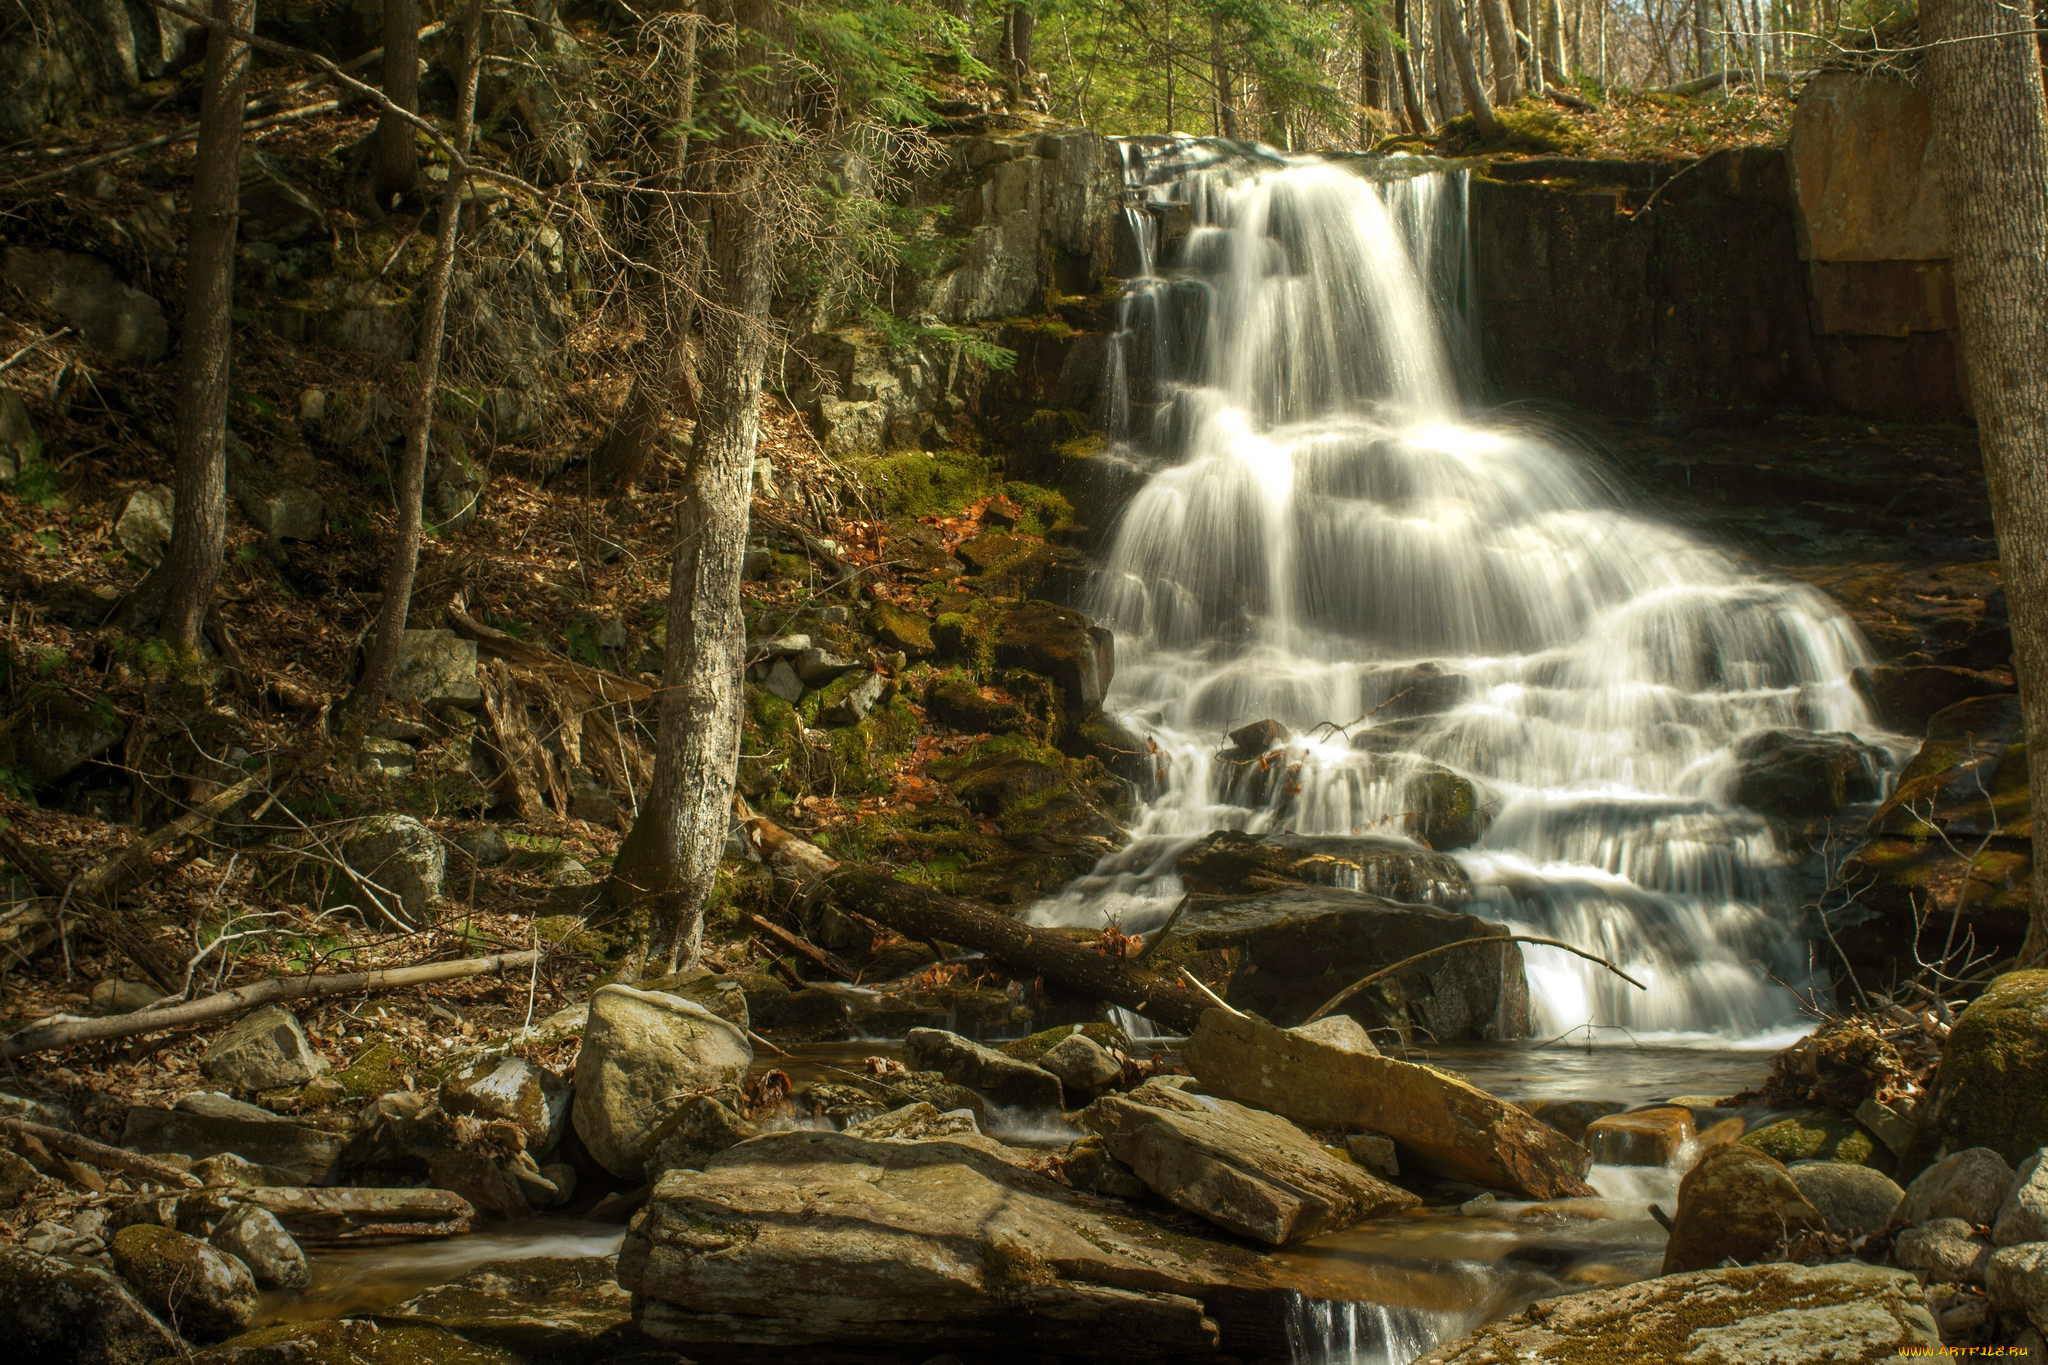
(1428, 602)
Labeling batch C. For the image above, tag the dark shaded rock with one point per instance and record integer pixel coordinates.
(1002, 1080)
(1736, 1203)
(567, 1309)
(125, 325)
(1803, 777)
(64, 1313)
(351, 1341)
(1087, 1165)
(1443, 809)
(1992, 1086)
(207, 1292)
(1423, 690)
(957, 701)
(1907, 696)
(1234, 863)
(1943, 1251)
(1063, 645)
(1571, 1117)
(61, 736)
(203, 1126)
(1261, 736)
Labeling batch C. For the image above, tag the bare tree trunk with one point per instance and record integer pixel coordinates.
(380, 654)
(394, 166)
(1018, 25)
(1404, 67)
(199, 525)
(669, 862)
(1553, 43)
(1523, 14)
(1219, 71)
(1453, 26)
(1507, 76)
(1991, 128)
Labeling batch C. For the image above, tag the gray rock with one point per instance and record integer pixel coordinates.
(2023, 1217)
(590, 799)
(641, 1052)
(486, 845)
(437, 668)
(514, 1090)
(144, 526)
(18, 440)
(1854, 1200)
(699, 1129)
(64, 1313)
(115, 996)
(1845, 1314)
(386, 758)
(125, 325)
(211, 1125)
(254, 1237)
(1083, 1066)
(1003, 1080)
(264, 1050)
(851, 427)
(565, 869)
(1340, 1031)
(1970, 1185)
(289, 512)
(207, 1292)
(853, 708)
(2016, 1279)
(783, 682)
(778, 646)
(819, 666)
(1942, 1251)
(1250, 1172)
(396, 856)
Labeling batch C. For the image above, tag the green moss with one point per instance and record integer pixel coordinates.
(864, 754)
(377, 1070)
(916, 484)
(1821, 1136)
(1030, 1049)
(1527, 126)
(968, 637)
(1046, 511)
(900, 628)
(1992, 1088)
(774, 759)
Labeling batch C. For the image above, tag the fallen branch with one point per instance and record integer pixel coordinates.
(1355, 987)
(109, 926)
(69, 1032)
(809, 949)
(99, 1154)
(922, 913)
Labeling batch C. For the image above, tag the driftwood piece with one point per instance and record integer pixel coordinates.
(68, 1032)
(98, 1153)
(810, 950)
(922, 913)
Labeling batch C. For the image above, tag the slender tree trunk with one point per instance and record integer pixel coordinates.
(669, 862)
(1991, 130)
(1452, 25)
(1553, 44)
(199, 524)
(1404, 68)
(387, 635)
(394, 166)
(1219, 70)
(1523, 14)
(1018, 25)
(1507, 78)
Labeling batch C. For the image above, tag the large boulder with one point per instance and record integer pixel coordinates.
(1251, 1173)
(1992, 1087)
(207, 1292)
(1002, 1080)
(1845, 1314)
(1063, 645)
(254, 1237)
(396, 863)
(437, 668)
(2016, 1279)
(555, 1308)
(1443, 1123)
(123, 324)
(1854, 1200)
(699, 1129)
(1800, 777)
(1970, 1185)
(205, 1125)
(64, 1313)
(355, 1213)
(264, 1050)
(642, 1052)
(1736, 1203)
(2023, 1217)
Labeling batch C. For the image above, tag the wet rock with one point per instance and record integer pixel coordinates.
(1340, 1031)
(1736, 1203)
(1233, 863)
(263, 1050)
(1260, 737)
(1992, 1087)
(125, 325)
(398, 863)
(1820, 1135)
(207, 1292)
(1906, 696)
(2016, 1279)
(1970, 1185)
(487, 1183)
(1845, 1314)
(352, 1213)
(1798, 776)
(115, 996)
(1003, 1080)
(437, 668)
(350, 1341)
(2023, 1217)
(64, 1313)
(554, 1308)
(1854, 1200)
(1087, 1165)
(211, 1125)
(254, 1237)
(640, 1052)
(1444, 809)
(513, 1090)
(1446, 1124)
(1063, 645)
(921, 1122)
(1571, 1117)
(144, 526)
(1642, 1137)
(1251, 1173)
(1942, 1251)
(1083, 1066)
(699, 1129)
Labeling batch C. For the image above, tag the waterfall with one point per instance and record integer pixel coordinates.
(1327, 539)
(1336, 1332)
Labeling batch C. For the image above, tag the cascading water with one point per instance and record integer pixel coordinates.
(1326, 541)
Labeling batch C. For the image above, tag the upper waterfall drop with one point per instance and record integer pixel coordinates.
(1326, 540)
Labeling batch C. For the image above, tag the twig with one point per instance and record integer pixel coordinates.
(12, 360)
(1341, 996)
(1221, 1003)
(1158, 936)
(99, 1154)
(806, 947)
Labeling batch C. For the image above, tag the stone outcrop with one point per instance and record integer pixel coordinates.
(566, 1309)
(1736, 1203)
(1001, 1080)
(1444, 1124)
(642, 1052)
(211, 1125)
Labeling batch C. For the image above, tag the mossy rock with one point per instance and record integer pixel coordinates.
(919, 484)
(349, 1341)
(1992, 1086)
(1007, 557)
(1821, 1135)
(377, 1070)
(1444, 809)
(1030, 1049)
(954, 699)
(1046, 511)
(863, 755)
(900, 628)
(1035, 452)
(967, 636)
(774, 756)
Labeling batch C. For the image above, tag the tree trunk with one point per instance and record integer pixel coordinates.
(1991, 129)
(667, 866)
(1219, 72)
(1520, 12)
(1452, 23)
(380, 655)
(1018, 25)
(1507, 77)
(1404, 67)
(1553, 43)
(200, 523)
(394, 167)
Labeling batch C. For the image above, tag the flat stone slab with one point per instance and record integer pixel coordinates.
(568, 1309)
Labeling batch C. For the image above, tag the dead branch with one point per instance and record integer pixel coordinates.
(1341, 996)
(99, 1154)
(497, 644)
(112, 928)
(69, 1032)
(810, 950)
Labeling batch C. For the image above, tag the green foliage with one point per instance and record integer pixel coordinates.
(900, 335)
(580, 642)
(37, 484)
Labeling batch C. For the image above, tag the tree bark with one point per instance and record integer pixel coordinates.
(920, 913)
(380, 654)
(1500, 38)
(200, 522)
(394, 165)
(1219, 73)
(1991, 130)
(1019, 24)
(1452, 24)
(1553, 42)
(1404, 66)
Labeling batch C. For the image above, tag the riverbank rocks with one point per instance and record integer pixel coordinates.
(1970, 1185)
(1083, 1066)
(356, 1213)
(1443, 1123)
(64, 1313)
(398, 863)
(1736, 1203)
(699, 1129)
(1248, 1172)
(565, 1310)
(2023, 1217)
(1001, 1080)
(203, 1125)
(264, 1050)
(515, 1091)
(254, 1237)
(1992, 1087)
(1943, 1251)
(1854, 1200)
(1845, 1314)
(642, 1051)
(207, 1292)
(350, 1341)
(1642, 1137)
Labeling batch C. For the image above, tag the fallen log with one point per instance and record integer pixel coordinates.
(810, 950)
(99, 1153)
(69, 1032)
(921, 913)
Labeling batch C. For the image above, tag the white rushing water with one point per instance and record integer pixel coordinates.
(1327, 539)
